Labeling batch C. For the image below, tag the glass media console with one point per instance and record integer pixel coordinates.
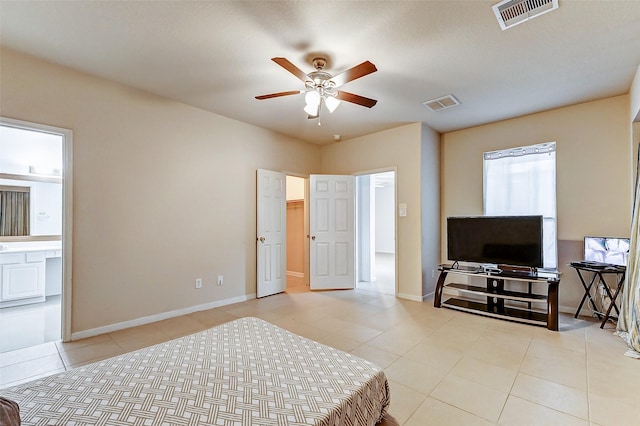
(528, 297)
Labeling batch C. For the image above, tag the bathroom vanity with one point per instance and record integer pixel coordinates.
(29, 273)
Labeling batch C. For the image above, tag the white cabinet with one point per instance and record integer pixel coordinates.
(22, 277)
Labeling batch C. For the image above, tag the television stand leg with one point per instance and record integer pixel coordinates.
(552, 306)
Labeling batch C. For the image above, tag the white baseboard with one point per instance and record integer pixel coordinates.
(158, 317)
(409, 297)
(428, 296)
(567, 309)
(296, 274)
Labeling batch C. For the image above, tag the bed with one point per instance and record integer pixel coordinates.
(245, 372)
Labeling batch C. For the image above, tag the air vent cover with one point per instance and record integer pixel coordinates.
(441, 103)
(514, 12)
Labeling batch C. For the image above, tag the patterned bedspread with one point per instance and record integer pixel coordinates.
(245, 372)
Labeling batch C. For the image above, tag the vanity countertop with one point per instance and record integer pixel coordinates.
(29, 248)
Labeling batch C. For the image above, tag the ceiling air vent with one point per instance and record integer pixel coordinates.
(514, 12)
(441, 103)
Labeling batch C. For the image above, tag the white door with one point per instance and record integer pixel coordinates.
(332, 232)
(271, 236)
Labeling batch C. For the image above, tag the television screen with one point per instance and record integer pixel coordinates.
(614, 251)
(509, 240)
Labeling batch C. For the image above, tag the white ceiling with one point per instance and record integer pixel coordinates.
(215, 55)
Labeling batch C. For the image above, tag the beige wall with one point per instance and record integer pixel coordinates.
(593, 173)
(295, 188)
(163, 193)
(430, 199)
(150, 214)
(401, 148)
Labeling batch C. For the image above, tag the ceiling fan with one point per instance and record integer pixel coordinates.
(321, 87)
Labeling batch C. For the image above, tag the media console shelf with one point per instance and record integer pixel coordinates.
(526, 307)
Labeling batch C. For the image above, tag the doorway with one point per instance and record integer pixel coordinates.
(34, 159)
(373, 198)
(296, 235)
(376, 232)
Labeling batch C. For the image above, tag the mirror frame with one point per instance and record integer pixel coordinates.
(21, 238)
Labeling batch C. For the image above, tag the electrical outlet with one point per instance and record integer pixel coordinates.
(199, 283)
(433, 273)
(219, 279)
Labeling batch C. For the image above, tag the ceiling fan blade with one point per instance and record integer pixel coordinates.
(287, 65)
(355, 99)
(352, 73)
(276, 95)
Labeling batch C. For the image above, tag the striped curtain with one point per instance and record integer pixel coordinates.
(629, 322)
(14, 213)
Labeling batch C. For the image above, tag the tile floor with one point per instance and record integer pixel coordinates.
(444, 367)
(29, 325)
(385, 281)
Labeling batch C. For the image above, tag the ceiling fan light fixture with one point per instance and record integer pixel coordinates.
(312, 98)
(331, 103)
(312, 110)
(320, 86)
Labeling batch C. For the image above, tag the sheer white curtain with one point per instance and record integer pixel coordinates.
(522, 181)
(629, 322)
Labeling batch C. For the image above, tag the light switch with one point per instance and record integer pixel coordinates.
(402, 209)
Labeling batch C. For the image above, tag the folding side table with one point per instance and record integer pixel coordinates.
(598, 272)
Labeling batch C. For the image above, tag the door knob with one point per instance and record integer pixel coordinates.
(261, 239)
(313, 238)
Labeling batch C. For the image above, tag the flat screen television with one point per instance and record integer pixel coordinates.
(613, 251)
(508, 240)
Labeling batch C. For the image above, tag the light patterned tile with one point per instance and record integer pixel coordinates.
(548, 350)
(378, 356)
(415, 375)
(66, 346)
(553, 395)
(357, 332)
(404, 401)
(441, 347)
(491, 375)
(30, 369)
(608, 410)
(389, 341)
(138, 337)
(90, 353)
(572, 373)
(435, 412)
(614, 380)
(302, 328)
(470, 396)
(462, 334)
(520, 412)
(430, 354)
(497, 354)
(31, 378)
(339, 342)
(179, 326)
(561, 340)
(212, 317)
(27, 354)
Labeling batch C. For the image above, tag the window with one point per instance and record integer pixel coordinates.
(14, 210)
(522, 181)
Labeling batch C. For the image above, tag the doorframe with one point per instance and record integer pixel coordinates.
(67, 212)
(393, 169)
(306, 258)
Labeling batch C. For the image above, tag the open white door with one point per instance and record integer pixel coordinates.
(271, 239)
(332, 232)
